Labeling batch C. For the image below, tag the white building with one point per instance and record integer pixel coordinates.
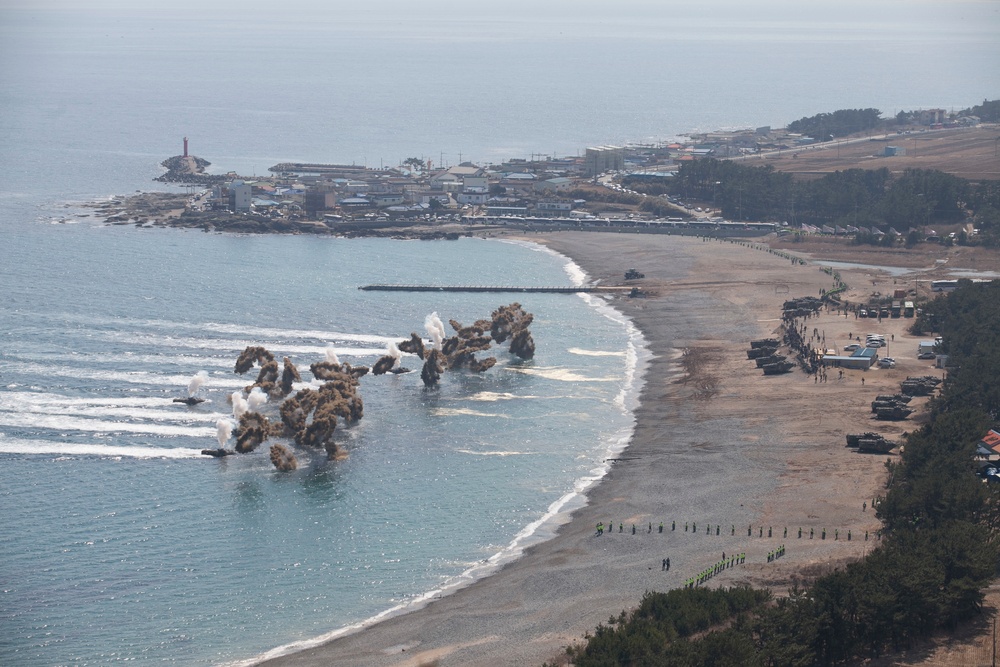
(239, 196)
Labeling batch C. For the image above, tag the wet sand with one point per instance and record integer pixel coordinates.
(716, 444)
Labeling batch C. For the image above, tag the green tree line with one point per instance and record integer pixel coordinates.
(854, 197)
(939, 551)
(840, 123)
(988, 111)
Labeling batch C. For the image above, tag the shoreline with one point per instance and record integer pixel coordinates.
(705, 445)
(558, 512)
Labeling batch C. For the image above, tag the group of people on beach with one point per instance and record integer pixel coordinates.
(693, 528)
(708, 573)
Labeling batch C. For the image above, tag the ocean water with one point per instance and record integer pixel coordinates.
(123, 542)
(119, 540)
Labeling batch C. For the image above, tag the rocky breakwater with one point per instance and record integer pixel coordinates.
(189, 170)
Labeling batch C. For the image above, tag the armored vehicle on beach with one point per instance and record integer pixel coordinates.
(870, 442)
(758, 352)
(778, 368)
(773, 359)
(899, 398)
(854, 438)
(919, 386)
(895, 413)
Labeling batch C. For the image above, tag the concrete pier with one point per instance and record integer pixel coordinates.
(477, 288)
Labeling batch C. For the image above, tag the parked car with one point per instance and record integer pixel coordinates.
(852, 347)
(926, 355)
(887, 362)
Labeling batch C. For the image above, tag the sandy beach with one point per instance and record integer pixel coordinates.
(716, 444)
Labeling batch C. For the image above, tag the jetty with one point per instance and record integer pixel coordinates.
(483, 288)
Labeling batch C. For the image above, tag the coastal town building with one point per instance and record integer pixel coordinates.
(554, 207)
(553, 184)
(240, 194)
(600, 159)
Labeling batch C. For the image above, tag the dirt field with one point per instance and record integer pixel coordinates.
(971, 153)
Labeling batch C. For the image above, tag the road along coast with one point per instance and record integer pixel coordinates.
(718, 451)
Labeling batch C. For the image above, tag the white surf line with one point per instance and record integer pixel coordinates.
(66, 423)
(124, 377)
(179, 413)
(225, 348)
(456, 412)
(37, 447)
(561, 374)
(595, 353)
(242, 330)
(37, 397)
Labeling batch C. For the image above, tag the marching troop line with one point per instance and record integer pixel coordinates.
(732, 530)
(733, 560)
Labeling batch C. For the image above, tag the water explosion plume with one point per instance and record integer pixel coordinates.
(283, 459)
(433, 367)
(250, 356)
(196, 383)
(253, 429)
(459, 351)
(311, 415)
(224, 430)
(389, 361)
(414, 346)
(289, 375)
(256, 399)
(240, 404)
(435, 329)
(512, 322)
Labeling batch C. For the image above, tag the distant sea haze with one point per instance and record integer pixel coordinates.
(121, 540)
(374, 83)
